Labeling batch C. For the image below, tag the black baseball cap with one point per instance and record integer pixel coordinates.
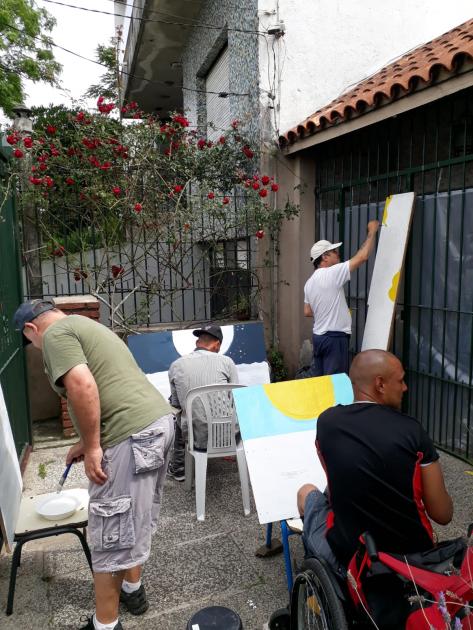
(28, 311)
(210, 329)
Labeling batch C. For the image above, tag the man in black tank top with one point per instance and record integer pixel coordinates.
(382, 469)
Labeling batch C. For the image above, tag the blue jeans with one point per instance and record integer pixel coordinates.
(330, 353)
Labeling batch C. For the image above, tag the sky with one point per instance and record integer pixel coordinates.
(79, 31)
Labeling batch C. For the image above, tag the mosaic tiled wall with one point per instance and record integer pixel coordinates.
(202, 49)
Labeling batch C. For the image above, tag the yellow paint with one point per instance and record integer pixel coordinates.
(303, 399)
(385, 213)
(469, 472)
(393, 290)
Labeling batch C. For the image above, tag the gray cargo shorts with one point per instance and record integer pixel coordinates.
(124, 511)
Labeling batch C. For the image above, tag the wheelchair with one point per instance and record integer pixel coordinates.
(318, 601)
(404, 591)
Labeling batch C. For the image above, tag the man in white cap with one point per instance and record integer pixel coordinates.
(324, 300)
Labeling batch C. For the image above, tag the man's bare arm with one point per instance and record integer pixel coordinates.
(83, 395)
(437, 501)
(365, 250)
(308, 310)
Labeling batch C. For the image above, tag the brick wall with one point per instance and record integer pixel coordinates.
(88, 306)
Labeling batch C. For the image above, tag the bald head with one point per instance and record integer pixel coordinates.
(378, 376)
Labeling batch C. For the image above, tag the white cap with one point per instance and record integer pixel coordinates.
(321, 247)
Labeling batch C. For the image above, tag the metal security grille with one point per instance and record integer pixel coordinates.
(12, 366)
(193, 272)
(429, 151)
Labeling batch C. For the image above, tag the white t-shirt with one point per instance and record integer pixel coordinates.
(324, 292)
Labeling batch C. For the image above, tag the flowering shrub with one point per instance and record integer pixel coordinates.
(98, 181)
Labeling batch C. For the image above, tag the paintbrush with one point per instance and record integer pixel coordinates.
(63, 478)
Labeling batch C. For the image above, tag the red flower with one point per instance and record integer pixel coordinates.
(225, 200)
(117, 270)
(43, 166)
(71, 151)
(18, 153)
(209, 143)
(51, 130)
(222, 139)
(137, 116)
(105, 166)
(177, 188)
(235, 123)
(255, 185)
(201, 143)
(133, 105)
(70, 181)
(54, 152)
(211, 195)
(100, 100)
(36, 180)
(180, 120)
(265, 180)
(28, 142)
(33, 169)
(248, 152)
(260, 234)
(117, 191)
(275, 187)
(263, 192)
(12, 138)
(80, 117)
(79, 274)
(59, 251)
(124, 109)
(47, 181)
(247, 183)
(138, 207)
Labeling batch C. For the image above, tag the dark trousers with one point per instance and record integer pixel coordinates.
(330, 353)
(179, 451)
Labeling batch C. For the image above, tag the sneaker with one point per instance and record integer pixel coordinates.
(137, 603)
(179, 474)
(90, 625)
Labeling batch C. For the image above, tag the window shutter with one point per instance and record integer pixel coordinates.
(218, 108)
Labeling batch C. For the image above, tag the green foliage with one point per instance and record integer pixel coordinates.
(111, 196)
(25, 50)
(107, 87)
(278, 367)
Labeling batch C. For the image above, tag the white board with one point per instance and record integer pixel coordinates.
(278, 424)
(388, 265)
(11, 484)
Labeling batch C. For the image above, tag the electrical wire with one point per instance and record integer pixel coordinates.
(129, 74)
(172, 23)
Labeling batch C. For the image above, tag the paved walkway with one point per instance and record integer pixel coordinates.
(192, 564)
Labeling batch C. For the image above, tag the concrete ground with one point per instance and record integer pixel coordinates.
(192, 564)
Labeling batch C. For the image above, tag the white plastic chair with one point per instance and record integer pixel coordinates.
(219, 410)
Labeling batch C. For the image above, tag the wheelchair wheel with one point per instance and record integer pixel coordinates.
(315, 604)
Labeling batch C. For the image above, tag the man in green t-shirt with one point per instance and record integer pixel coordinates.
(126, 431)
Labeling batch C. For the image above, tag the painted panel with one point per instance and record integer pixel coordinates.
(387, 271)
(278, 424)
(244, 343)
(11, 482)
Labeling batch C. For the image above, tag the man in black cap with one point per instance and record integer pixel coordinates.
(203, 366)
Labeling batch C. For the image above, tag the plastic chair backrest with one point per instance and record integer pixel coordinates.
(220, 415)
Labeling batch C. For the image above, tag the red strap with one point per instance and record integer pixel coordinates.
(428, 580)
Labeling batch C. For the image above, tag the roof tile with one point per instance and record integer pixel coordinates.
(393, 81)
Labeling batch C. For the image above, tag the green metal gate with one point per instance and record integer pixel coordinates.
(429, 151)
(12, 363)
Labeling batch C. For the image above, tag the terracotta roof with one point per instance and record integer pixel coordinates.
(416, 69)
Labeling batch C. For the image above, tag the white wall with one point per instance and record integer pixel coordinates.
(330, 45)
